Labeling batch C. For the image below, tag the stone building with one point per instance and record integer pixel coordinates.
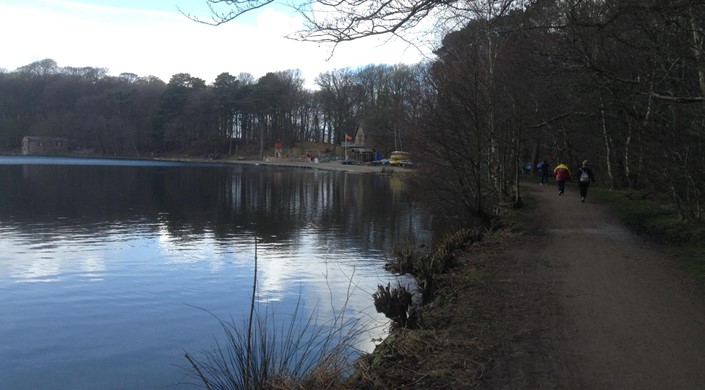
(44, 145)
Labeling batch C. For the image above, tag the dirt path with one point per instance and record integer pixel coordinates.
(596, 307)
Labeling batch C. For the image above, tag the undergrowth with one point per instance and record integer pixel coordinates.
(657, 220)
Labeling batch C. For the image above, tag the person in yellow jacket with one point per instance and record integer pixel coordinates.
(562, 174)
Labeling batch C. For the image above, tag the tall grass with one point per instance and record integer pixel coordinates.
(303, 351)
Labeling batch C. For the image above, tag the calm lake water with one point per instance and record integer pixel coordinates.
(110, 270)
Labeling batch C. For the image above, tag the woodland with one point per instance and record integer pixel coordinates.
(620, 83)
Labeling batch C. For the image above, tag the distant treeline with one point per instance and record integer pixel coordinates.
(130, 115)
(620, 83)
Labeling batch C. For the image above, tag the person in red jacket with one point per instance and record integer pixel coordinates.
(562, 174)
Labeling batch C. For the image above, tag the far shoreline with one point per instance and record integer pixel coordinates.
(336, 166)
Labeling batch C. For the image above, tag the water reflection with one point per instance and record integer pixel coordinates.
(125, 252)
(197, 210)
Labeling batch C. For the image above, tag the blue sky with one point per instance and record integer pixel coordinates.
(151, 37)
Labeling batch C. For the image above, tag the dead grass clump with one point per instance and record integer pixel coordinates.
(403, 260)
(321, 377)
(380, 369)
(395, 303)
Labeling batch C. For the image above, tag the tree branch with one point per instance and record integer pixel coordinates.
(239, 8)
(677, 99)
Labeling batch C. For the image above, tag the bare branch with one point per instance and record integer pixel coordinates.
(559, 117)
(238, 8)
(677, 99)
(349, 20)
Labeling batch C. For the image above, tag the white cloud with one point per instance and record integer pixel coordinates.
(163, 42)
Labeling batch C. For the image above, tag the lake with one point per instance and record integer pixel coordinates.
(111, 269)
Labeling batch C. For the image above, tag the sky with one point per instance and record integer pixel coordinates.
(152, 38)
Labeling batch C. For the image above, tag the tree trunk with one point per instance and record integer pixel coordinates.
(698, 50)
(608, 150)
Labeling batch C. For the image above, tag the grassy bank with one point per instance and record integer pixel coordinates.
(658, 221)
(453, 334)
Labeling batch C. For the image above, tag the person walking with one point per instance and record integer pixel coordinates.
(544, 173)
(562, 174)
(585, 177)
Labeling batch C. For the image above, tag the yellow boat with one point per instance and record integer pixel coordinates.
(400, 158)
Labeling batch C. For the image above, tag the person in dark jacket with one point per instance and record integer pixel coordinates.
(562, 174)
(544, 172)
(585, 177)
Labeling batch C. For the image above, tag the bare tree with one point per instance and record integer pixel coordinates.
(336, 21)
(341, 97)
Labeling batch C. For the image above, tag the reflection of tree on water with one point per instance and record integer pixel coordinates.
(276, 204)
(305, 218)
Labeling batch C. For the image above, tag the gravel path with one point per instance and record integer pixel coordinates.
(597, 307)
